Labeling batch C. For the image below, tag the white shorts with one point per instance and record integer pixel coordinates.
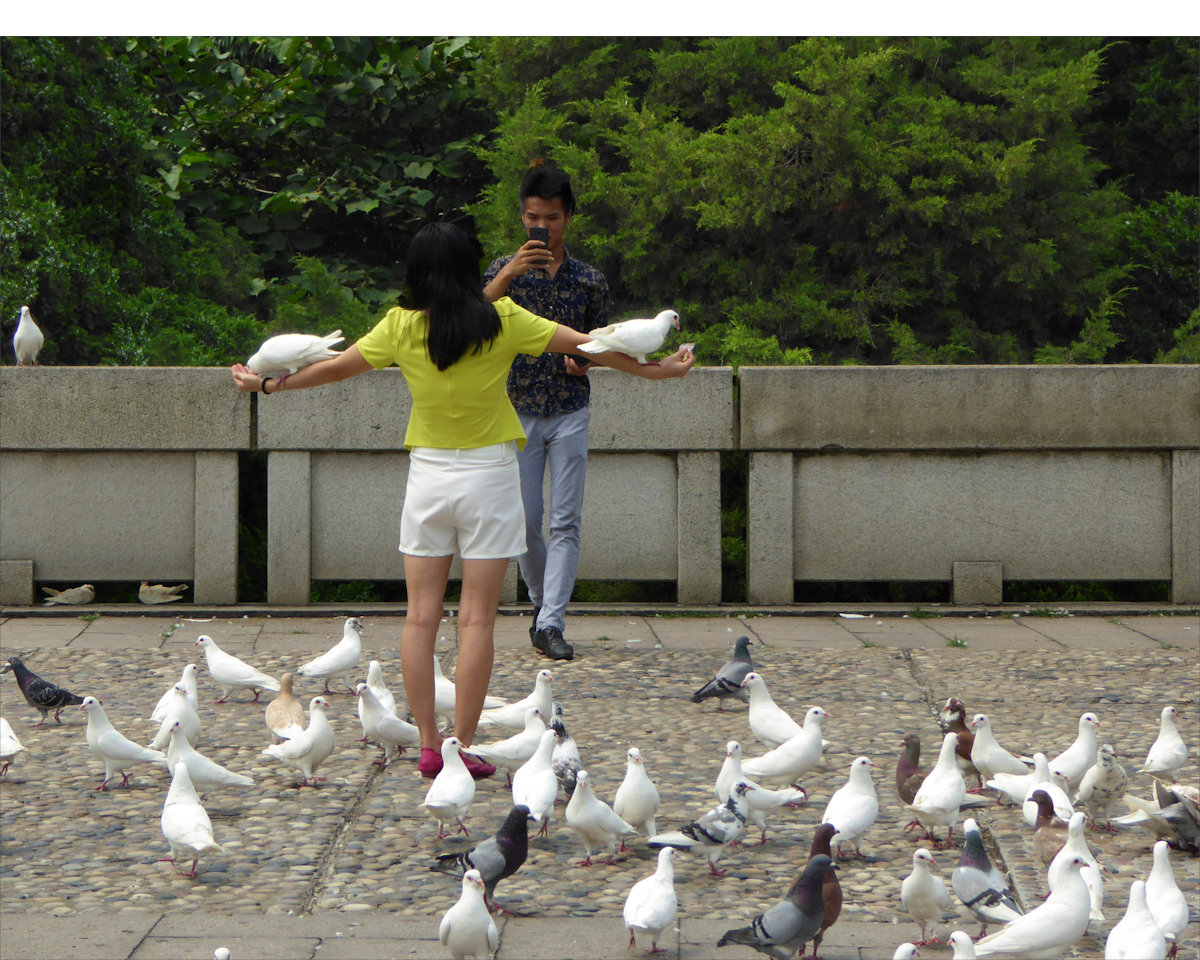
(465, 502)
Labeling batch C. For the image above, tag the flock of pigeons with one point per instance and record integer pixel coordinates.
(540, 758)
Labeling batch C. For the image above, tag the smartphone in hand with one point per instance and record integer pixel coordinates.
(540, 233)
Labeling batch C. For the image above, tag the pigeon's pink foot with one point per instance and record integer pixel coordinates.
(717, 873)
(585, 863)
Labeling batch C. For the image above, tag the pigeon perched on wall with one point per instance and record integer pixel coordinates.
(10, 746)
(634, 338)
(728, 680)
(285, 714)
(311, 747)
(467, 929)
(28, 339)
(185, 822)
(232, 673)
(1136, 936)
(498, 857)
(117, 752)
(652, 904)
(75, 596)
(792, 922)
(636, 800)
(160, 593)
(1168, 753)
(40, 694)
(340, 659)
(1102, 786)
(288, 352)
(979, 886)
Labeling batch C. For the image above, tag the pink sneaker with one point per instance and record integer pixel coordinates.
(476, 767)
(430, 763)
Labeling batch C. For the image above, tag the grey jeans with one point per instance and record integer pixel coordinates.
(548, 565)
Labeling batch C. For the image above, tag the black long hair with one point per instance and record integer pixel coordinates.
(442, 272)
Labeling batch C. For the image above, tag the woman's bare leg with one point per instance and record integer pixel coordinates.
(426, 583)
(481, 584)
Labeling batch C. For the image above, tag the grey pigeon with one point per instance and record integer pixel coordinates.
(979, 885)
(498, 857)
(38, 693)
(714, 831)
(728, 680)
(1173, 815)
(792, 922)
(565, 760)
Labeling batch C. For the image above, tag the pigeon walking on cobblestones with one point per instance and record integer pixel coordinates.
(979, 886)
(206, 774)
(594, 820)
(1168, 753)
(449, 796)
(1049, 929)
(187, 680)
(1164, 898)
(185, 822)
(1136, 936)
(566, 760)
(792, 922)
(1102, 785)
(831, 889)
(445, 695)
(386, 729)
(768, 721)
(924, 895)
(512, 715)
(231, 673)
(792, 758)
(509, 754)
(535, 786)
(10, 746)
(728, 680)
(116, 751)
(953, 719)
(942, 793)
(181, 711)
(386, 698)
(636, 801)
(310, 748)
(285, 714)
(1093, 871)
(340, 659)
(1081, 754)
(40, 694)
(498, 857)
(988, 756)
(853, 808)
(714, 831)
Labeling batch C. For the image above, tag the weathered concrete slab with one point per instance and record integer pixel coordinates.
(669, 409)
(37, 937)
(1181, 630)
(1090, 633)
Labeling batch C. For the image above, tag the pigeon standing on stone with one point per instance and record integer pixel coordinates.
(792, 758)
(311, 747)
(792, 922)
(760, 800)
(853, 808)
(467, 929)
(636, 801)
(1168, 753)
(964, 948)
(40, 694)
(566, 760)
(940, 796)
(831, 889)
(511, 753)
(10, 746)
(375, 681)
(979, 886)
(651, 905)
(909, 774)
(1136, 936)
(232, 673)
(85, 593)
(498, 857)
(445, 696)
(1050, 833)
(906, 951)
(634, 338)
(1047, 930)
(284, 714)
(988, 756)
(117, 752)
(714, 831)
(1173, 815)
(185, 822)
(179, 710)
(340, 659)
(728, 680)
(1054, 783)
(953, 718)
(1081, 754)
(594, 820)
(924, 896)
(452, 790)
(1164, 898)
(1102, 785)
(159, 593)
(388, 730)
(768, 721)
(512, 715)
(1076, 846)
(288, 352)
(206, 774)
(535, 786)
(187, 680)
(28, 340)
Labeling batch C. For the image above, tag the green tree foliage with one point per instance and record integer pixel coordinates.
(920, 200)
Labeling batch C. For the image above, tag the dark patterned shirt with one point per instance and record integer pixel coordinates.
(576, 297)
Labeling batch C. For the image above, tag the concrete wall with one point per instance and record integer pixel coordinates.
(970, 475)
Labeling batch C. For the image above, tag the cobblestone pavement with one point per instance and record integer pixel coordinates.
(354, 853)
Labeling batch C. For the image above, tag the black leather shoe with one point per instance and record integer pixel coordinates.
(533, 624)
(550, 643)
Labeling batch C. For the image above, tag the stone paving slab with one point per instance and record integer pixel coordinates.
(799, 633)
(1089, 633)
(1183, 630)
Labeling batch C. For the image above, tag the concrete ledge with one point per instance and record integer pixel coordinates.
(16, 582)
(966, 408)
(695, 413)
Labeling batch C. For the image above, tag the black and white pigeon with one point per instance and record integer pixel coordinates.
(728, 680)
(980, 887)
(38, 693)
(566, 760)
(714, 831)
(497, 858)
(792, 922)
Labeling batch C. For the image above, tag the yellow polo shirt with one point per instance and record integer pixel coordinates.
(465, 405)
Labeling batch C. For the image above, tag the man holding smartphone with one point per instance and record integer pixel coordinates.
(551, 394)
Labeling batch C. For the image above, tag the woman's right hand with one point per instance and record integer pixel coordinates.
(246, 379)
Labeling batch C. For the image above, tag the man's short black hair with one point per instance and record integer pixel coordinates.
(548, 182)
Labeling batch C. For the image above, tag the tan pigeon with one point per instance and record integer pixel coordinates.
(158, 593)
(285, 714)
(82, 594)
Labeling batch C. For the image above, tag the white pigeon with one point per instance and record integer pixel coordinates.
(906, 951)
(205, 774)
(1164, 898)
(853, 808)
(714, 831)
(924, 896)
(187, 680)
(185, 822)
(307, 750)
(988, 756)
(1019, 789)
(634, 338)
(10, 746)
(1081, 754)
(509, 754)
(594, 820)
(760, 800)
(181, 711)
(467, 929)
(375, 681)
(793, 757)
(445, 695)
(28, 339)
(118, 752)
(1102, 785)
(392, 733)
(1168, 753)
(535, 785)
(1049, 929)
(768, 721)
(288, 352)
(636, 800)
(512, 715)
(940, 796)
(449, 796)
(221, 953)
(964, 947)
(1136, 936)
(340, 659)
(159, 593)
(1077, 847)
(651, 905)
(232, 673)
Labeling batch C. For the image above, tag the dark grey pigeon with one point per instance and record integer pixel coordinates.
(498, 857)
(792, 922)
(728, 681)
(38, 693)
(979, 885)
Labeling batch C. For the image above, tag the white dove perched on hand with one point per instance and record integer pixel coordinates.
(28, 339)
(291, 351)
(185, 822)
(634, 338)
(339, 659)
